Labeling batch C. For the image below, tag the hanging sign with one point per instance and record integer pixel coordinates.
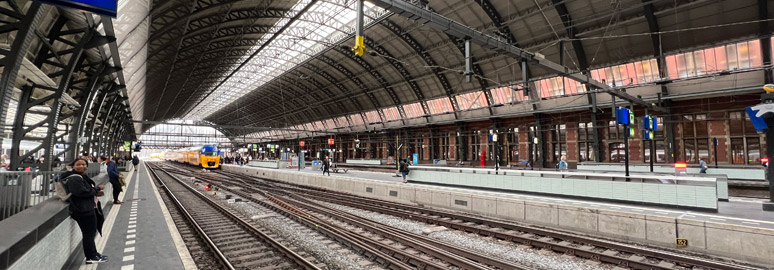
(330, 141)
(99, 7)
(301, 143)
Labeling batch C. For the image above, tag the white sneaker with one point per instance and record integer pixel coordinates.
(98, 259)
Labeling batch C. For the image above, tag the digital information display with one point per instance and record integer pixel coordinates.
(100, 7)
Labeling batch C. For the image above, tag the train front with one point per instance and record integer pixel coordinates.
(209, 157)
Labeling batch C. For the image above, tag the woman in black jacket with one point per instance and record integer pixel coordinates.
(84, 207)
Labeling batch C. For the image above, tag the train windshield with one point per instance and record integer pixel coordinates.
(210, 151)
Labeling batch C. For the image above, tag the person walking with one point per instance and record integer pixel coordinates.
(703, 166)
(404, 169)
(326, 166)
(85, 207)
(563, 164)
(113, 175)
(135, 162)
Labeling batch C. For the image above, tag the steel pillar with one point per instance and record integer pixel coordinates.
(25, 33)
(52, 120)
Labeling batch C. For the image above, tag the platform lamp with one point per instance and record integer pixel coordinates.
(762, 116)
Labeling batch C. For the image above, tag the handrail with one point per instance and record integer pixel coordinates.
(690, 165)
(562, 174)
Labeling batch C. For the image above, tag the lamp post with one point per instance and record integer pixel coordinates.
(763, 119)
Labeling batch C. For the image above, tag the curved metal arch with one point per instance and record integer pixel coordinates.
(222, 80)
(224, 34)
(398, 66)
(376, 75)
(348, 74)
(327, 76)
(261, 29)
(577, 46)
(333, 82)
(321, 102)
(315, 94)
(209, 14)
(316, 84)
(208, 22)
(272, 110)
(414, 44)
(275, 110)
(497, 20)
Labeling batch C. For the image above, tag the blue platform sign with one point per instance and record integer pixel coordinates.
(100, 7)
(649, 123)
(415, 159)
(758, 122)
(623, 116)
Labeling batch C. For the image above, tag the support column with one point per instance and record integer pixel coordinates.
(541, 146)
(21, 45)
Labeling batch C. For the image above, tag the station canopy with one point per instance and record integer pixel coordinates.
(254, 63)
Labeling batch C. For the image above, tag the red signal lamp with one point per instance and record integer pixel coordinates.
(765, 160)
(208, 187)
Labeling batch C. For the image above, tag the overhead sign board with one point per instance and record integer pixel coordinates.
(624, 116)
(99, 7)
(330, 141)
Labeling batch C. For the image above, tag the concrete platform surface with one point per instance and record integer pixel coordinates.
(740, 211)
(139, 234)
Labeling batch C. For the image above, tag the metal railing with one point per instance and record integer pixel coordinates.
(21, 190)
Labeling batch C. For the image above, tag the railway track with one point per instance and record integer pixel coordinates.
(231, 240)
(397, 250)
(615, 253)
(313, 203)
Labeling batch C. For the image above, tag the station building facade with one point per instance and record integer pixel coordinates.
(706, 91)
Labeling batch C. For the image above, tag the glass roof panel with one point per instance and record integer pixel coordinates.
(322, 26)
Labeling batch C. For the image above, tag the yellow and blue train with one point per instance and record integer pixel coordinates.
(207, 156)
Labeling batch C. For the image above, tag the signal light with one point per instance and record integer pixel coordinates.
(681, 165)
(765, 160)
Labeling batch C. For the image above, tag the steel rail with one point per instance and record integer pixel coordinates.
(410, 212)
(290, 254)
(451, 254)
(327, 229)
(214, 248)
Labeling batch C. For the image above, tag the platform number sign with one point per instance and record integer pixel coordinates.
(681, 242)
(624, 116)
(301, 143)
(330, 141)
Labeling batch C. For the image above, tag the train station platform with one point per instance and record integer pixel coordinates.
(740, 229)
(138, 234)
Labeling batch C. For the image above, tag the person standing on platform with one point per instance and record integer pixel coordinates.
(112, 171)
(85, 207)
(326, 166)
(135, 162)
(404, 169)
(563, 164)
(703, 166)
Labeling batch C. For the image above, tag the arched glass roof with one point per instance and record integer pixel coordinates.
(325, 23)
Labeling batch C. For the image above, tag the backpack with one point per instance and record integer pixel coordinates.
(60, 188)
(403, 167)
(122, 179)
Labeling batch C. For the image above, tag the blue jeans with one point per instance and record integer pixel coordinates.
(404, 175)
(703, 170)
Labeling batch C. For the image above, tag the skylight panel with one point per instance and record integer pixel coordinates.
(324, 24)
